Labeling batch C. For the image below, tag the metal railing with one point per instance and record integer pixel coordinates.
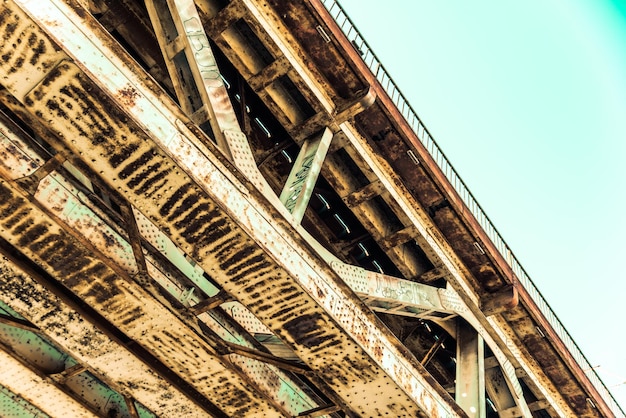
(385, 80)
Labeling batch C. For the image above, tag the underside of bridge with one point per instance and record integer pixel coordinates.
(225, 208)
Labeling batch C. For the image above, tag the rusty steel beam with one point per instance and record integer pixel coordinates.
(409, 298)
(47, 357)
(330, 319)
(108, 358)
(457, 276)
(266, 77)
(364, 194)
(123, 302)
(277, 37)
(57, 197)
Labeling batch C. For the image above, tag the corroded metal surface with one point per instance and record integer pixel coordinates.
(125, 304)
(72, 331)
(199, 226)
(63, 201)
(414, 299)
(37, 389)
(206, 80)
(410, 150)
(210, 212)
(494, 332)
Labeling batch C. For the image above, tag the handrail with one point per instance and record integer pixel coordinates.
(371, 60)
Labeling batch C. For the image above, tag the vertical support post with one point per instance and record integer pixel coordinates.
(470, 371)
(504, 390)
(299, 187)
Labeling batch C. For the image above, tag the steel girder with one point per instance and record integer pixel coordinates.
(291, 60)
(110, 360)
(318, 316)
(81, 218)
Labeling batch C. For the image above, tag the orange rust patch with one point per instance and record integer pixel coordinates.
(127, 96)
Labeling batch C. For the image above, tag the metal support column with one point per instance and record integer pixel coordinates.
(505, 400)
(470, 371)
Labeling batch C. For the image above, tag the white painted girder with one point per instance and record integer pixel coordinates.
(304, 173)
(190, 35)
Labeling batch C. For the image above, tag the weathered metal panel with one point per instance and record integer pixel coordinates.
(65, 202)
(48, 358)
(14, 406)
(125, 304)
(226, 252)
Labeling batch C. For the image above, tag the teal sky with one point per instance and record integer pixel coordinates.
(528, 101)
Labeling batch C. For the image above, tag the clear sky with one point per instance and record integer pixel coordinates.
(528, 101)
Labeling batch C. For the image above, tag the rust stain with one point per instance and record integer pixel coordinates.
(127, 96)
(308, 329)
(22, 44)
